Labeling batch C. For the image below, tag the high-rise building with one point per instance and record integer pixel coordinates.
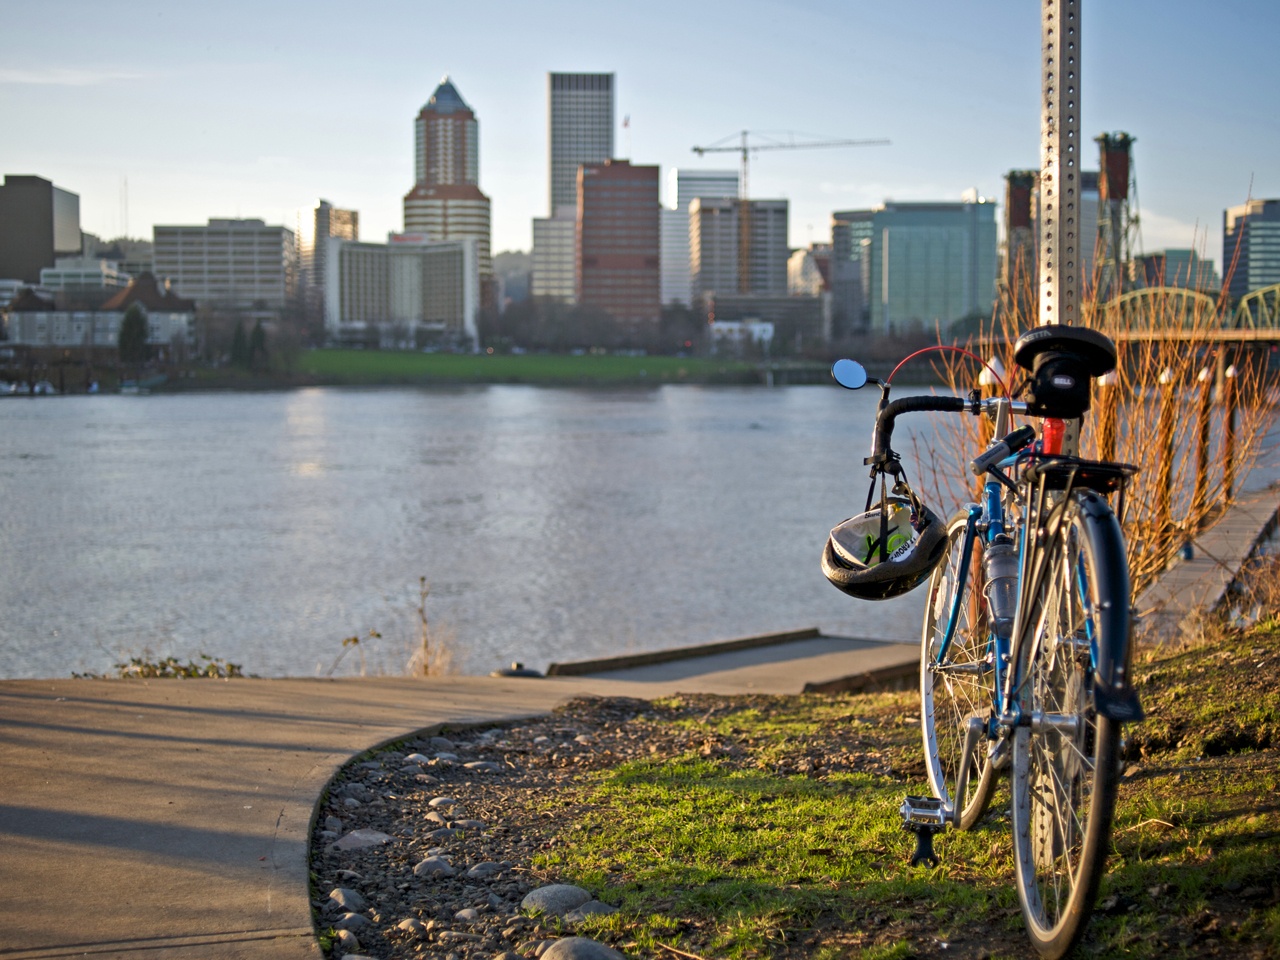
(330, 221)
(931, 263)
(682, 187)
(850, 233)
(1018, 261)
(1251, 246)
(1175, 268)
(446, 202)
(617, 240)
(241, 265)
(408, 289)
(580, 122)
(717, 253)
(579, 131)
(38, 223)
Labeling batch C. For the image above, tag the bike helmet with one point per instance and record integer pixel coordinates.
(886, 551)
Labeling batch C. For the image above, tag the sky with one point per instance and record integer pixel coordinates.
(164, 113)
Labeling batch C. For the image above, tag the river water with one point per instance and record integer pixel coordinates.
(550, 524)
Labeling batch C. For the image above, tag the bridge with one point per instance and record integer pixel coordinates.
(1179, 314)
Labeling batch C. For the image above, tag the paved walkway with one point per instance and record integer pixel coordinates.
(169, 819)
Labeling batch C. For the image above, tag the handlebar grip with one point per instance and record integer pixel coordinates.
(884, 420)
(1002, 448)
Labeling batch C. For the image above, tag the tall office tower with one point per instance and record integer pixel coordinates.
(617, 240)
(330, 221)
(38, 223)
(1018, 261)
(1251, 246)
(931, 263)
(445, 202)
(850, 232)
(768, 252)
(713, 247)
(1116, 225)
(579, 130)
(580, 121)
(1183, 268)
(232, 264)
(682, 187)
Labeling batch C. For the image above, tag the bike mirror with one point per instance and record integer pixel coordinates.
(850, 374)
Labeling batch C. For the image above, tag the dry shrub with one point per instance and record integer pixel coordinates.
(1173, 367)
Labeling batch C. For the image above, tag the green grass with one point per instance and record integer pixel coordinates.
(401, 367)
(782, 839)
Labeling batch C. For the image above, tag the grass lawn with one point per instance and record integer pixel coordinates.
(768, 827)
(403, 367)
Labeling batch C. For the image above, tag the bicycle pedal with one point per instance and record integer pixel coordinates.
(923, 816)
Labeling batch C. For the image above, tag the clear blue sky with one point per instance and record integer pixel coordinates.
(259, 109)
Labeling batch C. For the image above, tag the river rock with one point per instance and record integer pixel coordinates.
(351, 921)
(482, 871)
(412, 925)
(555, 900)
(468, 824)
(346, 940)
(418, 758)
(350, 901)
(580, 948)
(588, 909)
(434, 867)
(436, 802)
(361, 840)
(440, 743)
(484, 766)
(468, 915)
(333, 824)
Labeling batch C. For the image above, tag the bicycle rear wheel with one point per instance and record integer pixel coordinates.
(1065, 762)
(958, 684)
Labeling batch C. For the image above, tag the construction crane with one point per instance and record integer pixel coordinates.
(745, 148)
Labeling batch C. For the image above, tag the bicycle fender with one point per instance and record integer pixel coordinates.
(1114, 695)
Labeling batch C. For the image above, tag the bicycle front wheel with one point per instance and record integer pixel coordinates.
(956, 677)
(1066, 759)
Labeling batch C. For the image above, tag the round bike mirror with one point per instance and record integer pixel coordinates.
(850, 374)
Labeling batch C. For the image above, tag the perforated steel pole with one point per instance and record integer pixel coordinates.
(1060, 241)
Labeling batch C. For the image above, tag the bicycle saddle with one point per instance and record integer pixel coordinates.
(1062, 359)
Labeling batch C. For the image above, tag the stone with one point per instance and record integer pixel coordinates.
(333, 824)
(350, 901)
(426, 778)
(445, 755)
(482, 871)
(418, 758)
(361, 840)
(555, 900)
(483, 766)
(588, 909)
(350, 803)
(507, 955)
(469, 915)
(467, 824)
(444, 833)
(346, 940)
(442, 802)
(456, 936)
(580, 948)
(434, 867)
(351, 921)
(412, 925)
(440, 743)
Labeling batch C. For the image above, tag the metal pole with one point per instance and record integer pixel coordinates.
(1060, 241)
(1200, 496)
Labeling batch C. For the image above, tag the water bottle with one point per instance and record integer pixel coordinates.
(1000, 563)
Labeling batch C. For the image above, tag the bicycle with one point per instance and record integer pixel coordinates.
(1025, 652)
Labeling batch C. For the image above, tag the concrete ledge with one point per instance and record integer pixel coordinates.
(901, 676)
(581, 668)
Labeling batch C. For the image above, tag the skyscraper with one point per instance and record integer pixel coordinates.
(931, 263)
(850, 234)
(683, 186)
(579, 130)
(716, 247)
(617, 240)
(1251, 245)
(330, 221)
(580, 121)
(445, 202)
(38, 223)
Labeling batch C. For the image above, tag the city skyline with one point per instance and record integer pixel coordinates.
(200, 122)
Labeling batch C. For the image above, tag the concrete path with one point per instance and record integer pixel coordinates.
(169, 819)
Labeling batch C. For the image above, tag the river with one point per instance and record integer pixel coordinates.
(550, 524)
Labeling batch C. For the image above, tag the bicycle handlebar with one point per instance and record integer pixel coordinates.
(888, 413)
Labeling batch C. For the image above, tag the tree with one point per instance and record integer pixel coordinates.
(239, 346)
(258, 345)
(133, 335)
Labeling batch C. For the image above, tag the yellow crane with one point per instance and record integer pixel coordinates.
(745, 148)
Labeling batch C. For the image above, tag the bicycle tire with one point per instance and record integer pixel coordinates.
(962, 685)
(1066, 761)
